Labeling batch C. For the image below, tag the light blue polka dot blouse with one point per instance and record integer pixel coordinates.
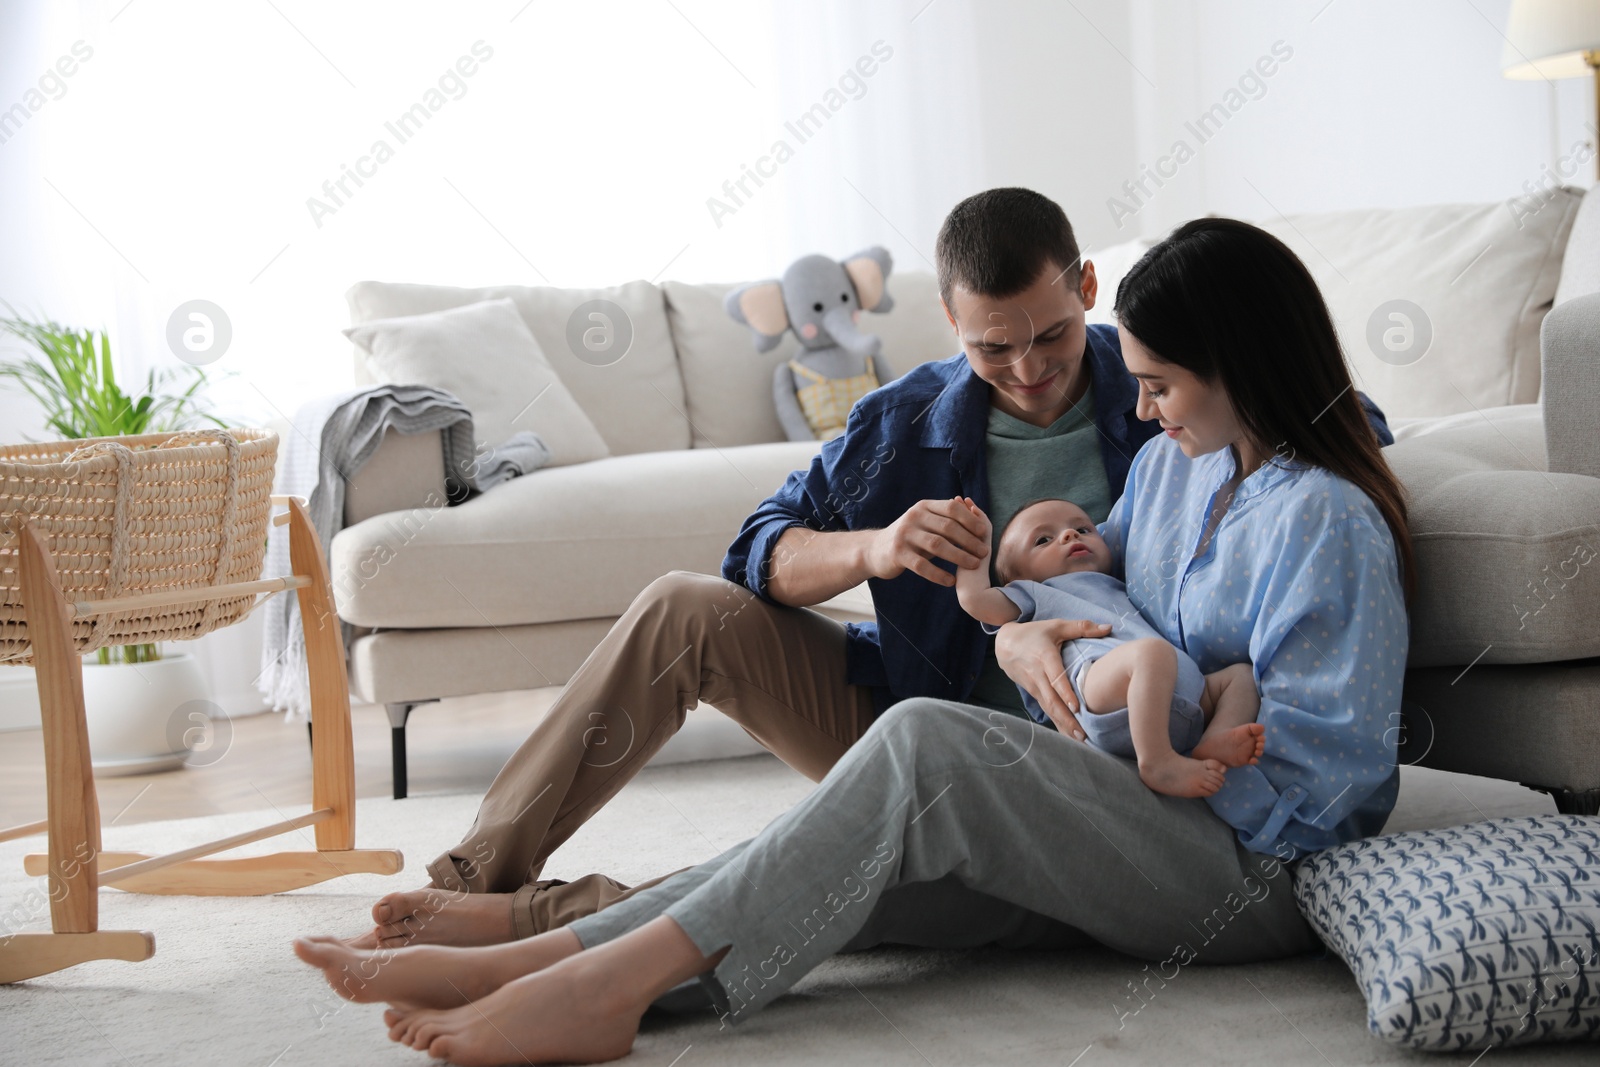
(1301, 580)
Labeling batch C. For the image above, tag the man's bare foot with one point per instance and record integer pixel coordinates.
(569, 1013)
(431, 916)
(1181, 776)
(1233, 747)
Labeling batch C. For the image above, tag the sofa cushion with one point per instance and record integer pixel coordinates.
(485, 356)
(1405, 429)
(1508, 554)
(1471, 937)
(393, 666)
(561, 543)
(620, 366)
(1580, 267)
(729, 383)
(1483, 276)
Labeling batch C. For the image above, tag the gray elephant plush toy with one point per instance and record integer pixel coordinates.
(821, 300)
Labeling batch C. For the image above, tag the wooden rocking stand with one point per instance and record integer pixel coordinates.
(75, 864)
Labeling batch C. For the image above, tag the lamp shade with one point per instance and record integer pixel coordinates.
(1548, 38)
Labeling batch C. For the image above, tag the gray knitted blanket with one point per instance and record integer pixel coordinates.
(332, 439)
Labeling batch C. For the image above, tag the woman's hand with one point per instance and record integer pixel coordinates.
(1030, 653)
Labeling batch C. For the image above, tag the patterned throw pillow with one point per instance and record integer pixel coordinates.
(1471, 937)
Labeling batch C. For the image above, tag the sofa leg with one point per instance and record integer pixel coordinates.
(399, 712)
(1572, 801)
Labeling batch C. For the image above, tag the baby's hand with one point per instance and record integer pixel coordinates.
(986, 528)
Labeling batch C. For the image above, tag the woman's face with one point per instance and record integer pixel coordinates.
(1198, 415)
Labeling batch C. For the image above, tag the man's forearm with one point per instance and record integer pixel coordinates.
(808, 566)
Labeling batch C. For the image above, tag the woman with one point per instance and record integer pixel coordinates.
(1264, 527)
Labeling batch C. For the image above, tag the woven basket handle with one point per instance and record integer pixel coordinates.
(179, 438)
(117, 580)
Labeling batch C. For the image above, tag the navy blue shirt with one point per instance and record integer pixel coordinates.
(921, 437)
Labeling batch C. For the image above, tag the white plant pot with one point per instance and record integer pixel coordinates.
(136, 713)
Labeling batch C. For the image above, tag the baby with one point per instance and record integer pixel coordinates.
(1145, 699)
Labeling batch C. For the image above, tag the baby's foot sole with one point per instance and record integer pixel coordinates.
(1234, 747)
(1182, 776)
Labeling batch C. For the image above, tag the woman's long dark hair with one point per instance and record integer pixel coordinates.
(1229, 302)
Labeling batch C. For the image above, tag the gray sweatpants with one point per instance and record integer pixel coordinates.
(950, 825)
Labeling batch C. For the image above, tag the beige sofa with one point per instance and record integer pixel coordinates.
(523, 581)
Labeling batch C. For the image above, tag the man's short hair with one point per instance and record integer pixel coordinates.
(996, 242)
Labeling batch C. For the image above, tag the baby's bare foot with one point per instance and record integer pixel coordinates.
(428, 976)
(1233, 747)
(431, 916)
(1180, 776)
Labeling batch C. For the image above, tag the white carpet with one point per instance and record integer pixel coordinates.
(223, 987)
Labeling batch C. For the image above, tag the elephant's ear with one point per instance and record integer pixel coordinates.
(868, 269)
(759, 306)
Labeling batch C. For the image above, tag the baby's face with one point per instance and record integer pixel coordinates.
(1051, 538)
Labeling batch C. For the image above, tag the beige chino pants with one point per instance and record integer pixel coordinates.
(778, 672)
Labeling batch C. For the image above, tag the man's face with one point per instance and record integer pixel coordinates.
(1028, 347)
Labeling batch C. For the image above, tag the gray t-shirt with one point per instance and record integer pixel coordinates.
(1026, 462)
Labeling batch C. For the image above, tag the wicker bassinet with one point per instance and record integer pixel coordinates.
(129, 515)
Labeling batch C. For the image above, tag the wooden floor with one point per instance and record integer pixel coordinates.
(268, 762)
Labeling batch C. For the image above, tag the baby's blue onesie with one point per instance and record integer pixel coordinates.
(1101, 598)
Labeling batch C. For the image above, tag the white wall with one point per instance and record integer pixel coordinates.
(1381, 104)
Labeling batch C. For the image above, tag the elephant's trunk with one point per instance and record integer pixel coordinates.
(841, 326)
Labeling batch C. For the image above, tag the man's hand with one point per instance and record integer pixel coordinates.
(977, 597)
(1030, 653)
(930, 530)
(975, 578)
(985, 528)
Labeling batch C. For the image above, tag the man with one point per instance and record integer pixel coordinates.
(1037, 404)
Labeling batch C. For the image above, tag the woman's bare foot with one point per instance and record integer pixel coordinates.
(1233, 747)
(432, 916)
(1181, 776)
(569, 1013)
(430, 976)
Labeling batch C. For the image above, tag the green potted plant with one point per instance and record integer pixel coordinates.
(70, 374)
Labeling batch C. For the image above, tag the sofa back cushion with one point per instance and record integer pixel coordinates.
(1580, 267)
(1482, 275)
(729, 384)
(508, 384)
(610, 347)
